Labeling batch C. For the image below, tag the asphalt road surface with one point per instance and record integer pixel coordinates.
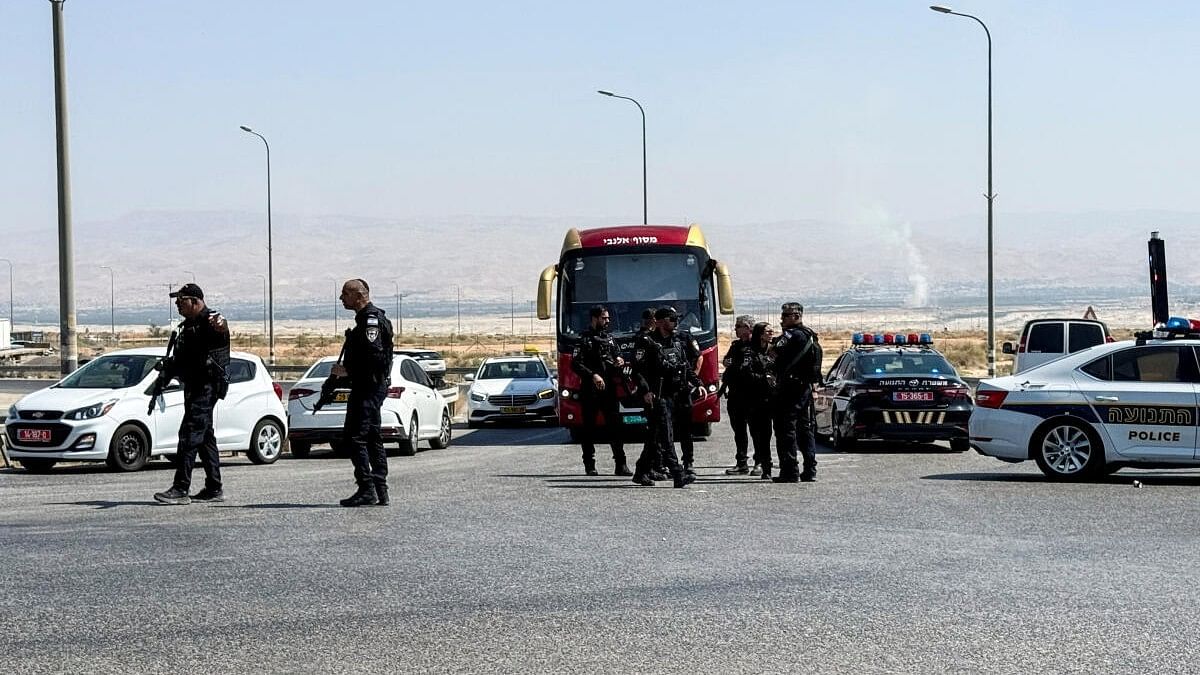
(497, 555)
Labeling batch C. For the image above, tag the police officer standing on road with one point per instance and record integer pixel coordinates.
(367, 363)
(759, 380)
(794, 352)
(640, 341)
(199, 361)
(597, 361)
(665, 375)
(736, 388)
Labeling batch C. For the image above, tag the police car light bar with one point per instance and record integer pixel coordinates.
(1178, 324)
(895, 338)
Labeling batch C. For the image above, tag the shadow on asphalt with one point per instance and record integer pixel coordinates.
(506, 436)
(1147, 480)
(281, 505)
(887, 448)
(102, 504)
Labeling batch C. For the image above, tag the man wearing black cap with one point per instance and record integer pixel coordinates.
(797, 355)
(199, 361)
(367, 363)
(735, 382)
(597, 361)
(665, 375)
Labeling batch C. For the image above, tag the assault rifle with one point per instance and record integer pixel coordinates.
(331, 384)
(164, 368)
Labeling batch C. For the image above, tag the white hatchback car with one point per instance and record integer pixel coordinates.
(98, 412)
(511, 388)
(412, 412)
(1121, 404)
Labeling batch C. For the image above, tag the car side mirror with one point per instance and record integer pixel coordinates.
(469, 377)
(1007, 348)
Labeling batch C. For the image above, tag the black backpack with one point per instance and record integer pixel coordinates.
(806, 366)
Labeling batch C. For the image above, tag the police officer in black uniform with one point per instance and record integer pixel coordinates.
(666, 376)
(199, 360)
(736, 389)
(367, 364)
(598, 363)
(793, 352)
(759, 380)
(640, 338)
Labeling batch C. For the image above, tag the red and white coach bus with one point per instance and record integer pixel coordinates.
(628, 269)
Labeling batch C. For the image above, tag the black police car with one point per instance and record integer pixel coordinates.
(892, 387)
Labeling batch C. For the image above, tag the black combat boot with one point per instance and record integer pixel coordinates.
(739, 470)
(687, 468)
(365, 496)
(173, 496)
(381, 494)
(657, 475)
(589, 467)
(207, 495)
(682, 479)
(643, 479)
(622, 469)
(766, 473)
(787, 478)
(808, 476)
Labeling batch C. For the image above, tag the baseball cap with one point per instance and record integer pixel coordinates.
(188, 291)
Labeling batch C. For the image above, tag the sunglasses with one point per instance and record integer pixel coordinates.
(790, 314)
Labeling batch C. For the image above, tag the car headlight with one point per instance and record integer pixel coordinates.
(546, 394)
(476, 396)
(91, 411)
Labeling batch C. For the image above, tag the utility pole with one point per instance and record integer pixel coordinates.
(68, 349)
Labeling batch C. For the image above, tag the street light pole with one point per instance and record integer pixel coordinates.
(645, 211)
(991, 196)
(112, 302)
(11, 320)
(270, 259)
(264, 279)
(68, 349)
(458, 305)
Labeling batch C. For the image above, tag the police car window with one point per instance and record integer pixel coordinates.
(239, 370)
(836, 367)
(1155, 364)
(1045, 338)
(1099, 369)
(1084, 335)
(905, 363)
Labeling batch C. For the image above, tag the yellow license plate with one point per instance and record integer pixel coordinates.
(341, 397)
(512, 409)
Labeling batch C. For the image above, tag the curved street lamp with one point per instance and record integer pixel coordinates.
(645, 211)
(270, 261)
(990, 196)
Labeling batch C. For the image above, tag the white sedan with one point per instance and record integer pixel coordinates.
(98, 412)
(511, 388)
(412, 412)
(1121, 404)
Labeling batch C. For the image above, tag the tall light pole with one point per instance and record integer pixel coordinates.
(264, 279)
(68, 349)
(990, 196)
(270, 259)
(112, 302)
(645, 211)
(11, 321)
(458, 305)
(399, 308)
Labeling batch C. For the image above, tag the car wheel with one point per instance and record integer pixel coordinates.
(129, 449)
(300, 450)
(960, 444)
(1068, 450)
(443, 438)
(266, 443)
(408, 446)
(841, 442)
(37, 465)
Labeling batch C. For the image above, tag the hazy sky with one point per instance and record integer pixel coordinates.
(756, 111)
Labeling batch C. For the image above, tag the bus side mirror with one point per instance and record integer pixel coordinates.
(724, 288)
(545, 292)
(1007, 348)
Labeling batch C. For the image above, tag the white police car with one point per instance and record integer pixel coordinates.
(1121, 404)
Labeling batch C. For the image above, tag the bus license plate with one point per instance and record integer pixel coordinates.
(635, 419)
(912, 396)
(512, 409)
(34, 435)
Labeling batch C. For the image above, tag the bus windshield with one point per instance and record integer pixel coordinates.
(628, 283)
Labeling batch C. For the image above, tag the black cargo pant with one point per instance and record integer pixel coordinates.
(759, 420)
(681, 416)
(660, 450)
(739, 419)
(196, 435)
(604, 402)
(794, 431)
(362, 439)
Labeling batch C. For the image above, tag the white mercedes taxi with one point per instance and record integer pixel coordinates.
(1120, 404)
(511, 389)
(98, 413)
